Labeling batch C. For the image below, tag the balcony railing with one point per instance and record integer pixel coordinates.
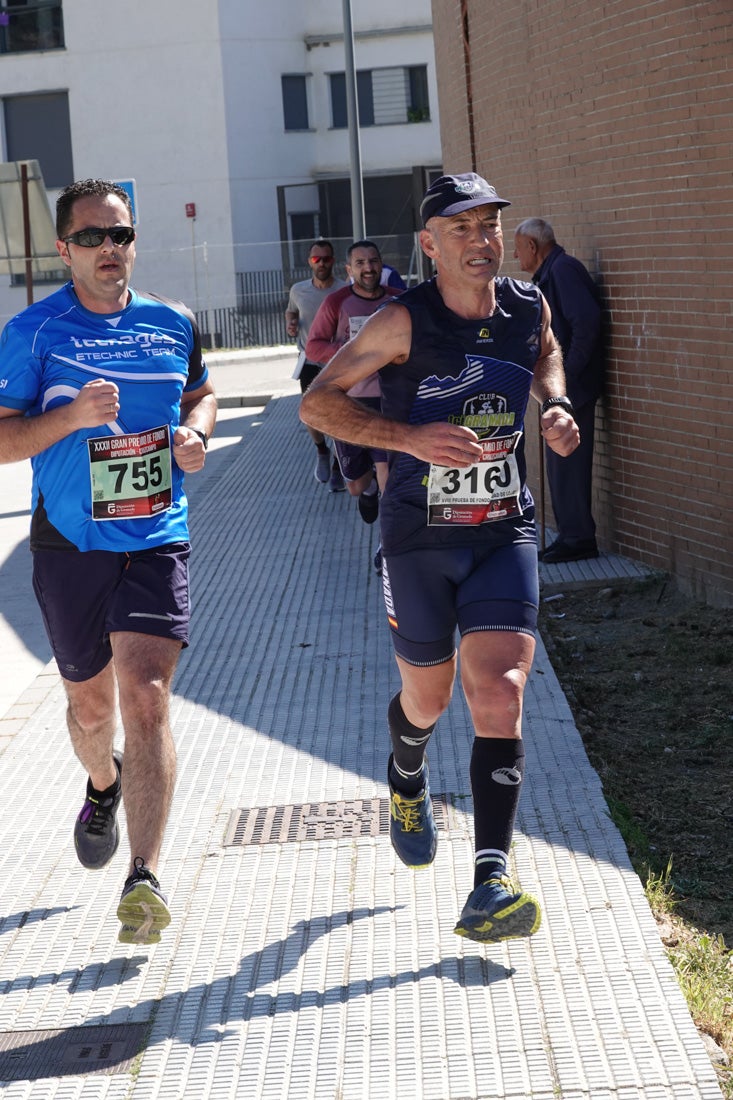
(35, 25)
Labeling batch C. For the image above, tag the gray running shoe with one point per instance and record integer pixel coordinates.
(143, 910)
(96, 833)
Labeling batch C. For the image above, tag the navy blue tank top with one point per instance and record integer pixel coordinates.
(472, 372)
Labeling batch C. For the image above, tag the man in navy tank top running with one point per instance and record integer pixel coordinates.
(458, 358)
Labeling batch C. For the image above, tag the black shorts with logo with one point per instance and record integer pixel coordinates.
(85, 596)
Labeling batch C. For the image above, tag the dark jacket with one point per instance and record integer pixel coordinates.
(575, 302)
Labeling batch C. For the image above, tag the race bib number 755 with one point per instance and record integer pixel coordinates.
(130, 474)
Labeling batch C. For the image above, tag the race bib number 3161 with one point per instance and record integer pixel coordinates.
(487, 491)
(130, 474)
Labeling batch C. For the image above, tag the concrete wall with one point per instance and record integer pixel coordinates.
(615, 122)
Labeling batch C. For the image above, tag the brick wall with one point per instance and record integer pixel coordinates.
(615, 121)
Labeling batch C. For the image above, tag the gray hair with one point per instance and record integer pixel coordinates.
(538, 230)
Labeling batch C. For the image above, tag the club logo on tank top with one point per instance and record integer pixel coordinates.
(487, 414)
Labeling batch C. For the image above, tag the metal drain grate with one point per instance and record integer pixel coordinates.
(318, 821)
(31, 1055)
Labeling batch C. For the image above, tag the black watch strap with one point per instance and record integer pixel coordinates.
(202, 436)
(561, 402)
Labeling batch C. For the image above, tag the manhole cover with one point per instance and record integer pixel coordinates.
(318, 821)
(108, 1048)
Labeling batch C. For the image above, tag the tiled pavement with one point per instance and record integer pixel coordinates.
(303, 960)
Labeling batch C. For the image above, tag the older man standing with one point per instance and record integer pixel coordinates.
(575, 306)
(458, 357)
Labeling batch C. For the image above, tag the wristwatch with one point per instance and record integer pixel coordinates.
(562, 402)
(202, 436)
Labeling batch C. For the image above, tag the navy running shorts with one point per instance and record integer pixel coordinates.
(86, 596)
(430, 592)
(355, 461)
(308, 372)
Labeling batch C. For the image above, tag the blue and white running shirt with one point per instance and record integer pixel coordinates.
(152, 351)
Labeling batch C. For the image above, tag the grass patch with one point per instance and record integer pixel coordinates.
(647, 674)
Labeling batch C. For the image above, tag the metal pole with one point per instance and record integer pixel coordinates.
(26, 234)
(358, 226)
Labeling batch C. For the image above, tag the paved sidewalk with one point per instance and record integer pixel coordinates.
(303, 960)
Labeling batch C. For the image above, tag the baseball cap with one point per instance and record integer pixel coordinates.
(452, 194)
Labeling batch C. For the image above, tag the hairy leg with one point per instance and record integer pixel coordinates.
(318, 437)
(92, 719)
(359, 484)
(145, 667)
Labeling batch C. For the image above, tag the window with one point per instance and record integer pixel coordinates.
(295, 101)
(418, 109)
(339, 117)
(31, 25)
(303, 231)
(37, 127)
(385, 96)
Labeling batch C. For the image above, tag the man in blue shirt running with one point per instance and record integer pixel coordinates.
(106, 391)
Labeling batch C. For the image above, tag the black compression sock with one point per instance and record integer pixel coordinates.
(408, 746)
(497, 770)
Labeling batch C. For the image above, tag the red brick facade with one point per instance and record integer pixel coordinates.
(615, 121)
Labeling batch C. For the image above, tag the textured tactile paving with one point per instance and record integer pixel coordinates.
(322, 969)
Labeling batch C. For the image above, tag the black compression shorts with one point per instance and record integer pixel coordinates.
(430, 592)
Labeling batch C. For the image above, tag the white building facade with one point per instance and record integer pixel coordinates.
(230, 118)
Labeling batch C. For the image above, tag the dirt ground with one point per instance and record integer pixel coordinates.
(648, 675)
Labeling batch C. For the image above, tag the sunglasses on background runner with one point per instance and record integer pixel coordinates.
(93, 237)
(320, 259)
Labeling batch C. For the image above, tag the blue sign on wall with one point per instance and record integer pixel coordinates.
(129, 186)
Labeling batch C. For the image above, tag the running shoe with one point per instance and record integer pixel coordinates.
(336, 482)
(495, 912)
(368, 506)
(143, 910)
(96, 832)
(378, 562)
(412, 828)
(322, 471)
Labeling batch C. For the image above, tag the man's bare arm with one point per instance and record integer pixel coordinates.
(549, 373)
(198, 414)
(384, 338)
(559, 430)
(291, 322)
(23, 437)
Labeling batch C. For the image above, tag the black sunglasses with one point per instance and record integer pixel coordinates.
(94, 236)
